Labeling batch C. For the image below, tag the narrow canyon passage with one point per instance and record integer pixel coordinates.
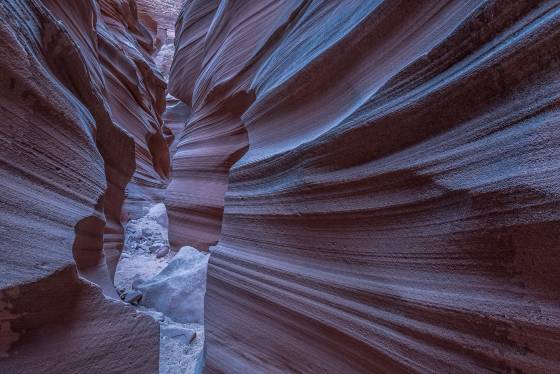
(167, 286)
(279, 186)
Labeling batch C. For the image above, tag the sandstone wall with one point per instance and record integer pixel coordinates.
(80, 103)
(392, 181)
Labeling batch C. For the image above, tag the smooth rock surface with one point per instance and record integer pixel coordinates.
(136, 93)
(183, 334)
(178, 290)
(392, 177)
(380, 179)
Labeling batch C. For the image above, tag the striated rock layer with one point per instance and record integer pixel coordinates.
(136, 95)
(214, 137)
(80, 105)
(397, 208)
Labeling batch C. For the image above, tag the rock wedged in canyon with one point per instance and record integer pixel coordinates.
(178, 289)
(391, 179)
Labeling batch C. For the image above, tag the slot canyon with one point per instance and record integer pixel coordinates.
(279, 186)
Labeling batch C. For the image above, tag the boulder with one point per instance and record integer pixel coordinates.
(180, 333)
(178, 290)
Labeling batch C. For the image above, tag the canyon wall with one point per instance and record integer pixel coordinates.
(81, 104)
(161, 15)
(392, 177)
(136, 93)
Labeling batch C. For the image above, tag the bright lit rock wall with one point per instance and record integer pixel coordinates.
(396, 205)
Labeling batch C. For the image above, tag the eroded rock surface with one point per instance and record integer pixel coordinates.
(79, 98)
(393, 199)
(381, 179)
(136, 94)
(178, 289)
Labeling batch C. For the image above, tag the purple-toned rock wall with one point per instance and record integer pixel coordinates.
(80, 113)
(377, 182)
(391, 179)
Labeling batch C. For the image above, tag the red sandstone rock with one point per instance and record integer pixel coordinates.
(397, 208)
(136, 95)
(390, 174)
(67, 157)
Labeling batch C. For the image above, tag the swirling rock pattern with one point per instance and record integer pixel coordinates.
(77, 89)
(136, 95)
(397, 208)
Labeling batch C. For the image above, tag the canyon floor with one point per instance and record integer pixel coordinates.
(147, 260)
